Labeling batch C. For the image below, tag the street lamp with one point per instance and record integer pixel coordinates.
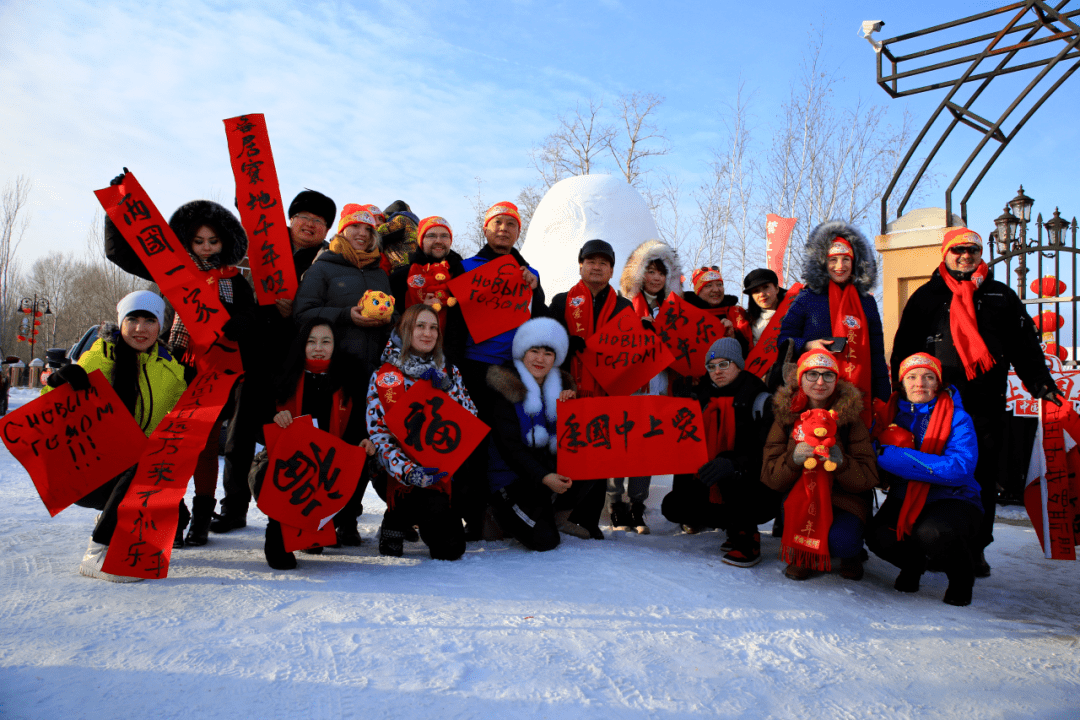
(1021, 205)
(1007, 226)
(1055, 229)
(30, 323)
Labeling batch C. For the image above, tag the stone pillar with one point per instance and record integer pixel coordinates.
(910, 252)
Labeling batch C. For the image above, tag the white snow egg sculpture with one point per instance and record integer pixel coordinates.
(581, 208)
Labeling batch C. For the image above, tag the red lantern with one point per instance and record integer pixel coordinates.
(21, 338)
(37, 314)
(1050, 286)
(26, 310)
(1049, 321)
(898, 436)
(37, 322)
(1053, 349)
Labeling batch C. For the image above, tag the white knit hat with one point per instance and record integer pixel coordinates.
(140, 300)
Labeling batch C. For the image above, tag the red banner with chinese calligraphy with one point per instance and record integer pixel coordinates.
(72, 442)
(765, 351)
(493, 298)
(1052, 495)
(630, 436)
(148, 515)
(310, 476)
(258, 197)
(297, 539)
(688, 332)
(624, 354)
(777, 234)
(433, 429)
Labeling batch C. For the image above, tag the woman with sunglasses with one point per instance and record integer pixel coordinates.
(810, 538)
(725, 491)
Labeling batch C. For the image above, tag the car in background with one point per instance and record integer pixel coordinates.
(83, 344)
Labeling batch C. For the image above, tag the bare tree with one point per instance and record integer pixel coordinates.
(527, 200)
(665, 200)
(14, 220)
(469, 242)
(639, 137)
(576, 147)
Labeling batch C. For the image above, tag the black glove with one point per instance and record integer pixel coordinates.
(715, 470)
(1051, 394)
(70, 374)
(119, 178)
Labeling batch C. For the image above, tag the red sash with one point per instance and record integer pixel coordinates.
(963, 324)
(849, 321)
(340, 410)
(764, 354)
(579, 322)
(719, 433)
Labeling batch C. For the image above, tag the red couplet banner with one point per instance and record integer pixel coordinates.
(493, 298)
(777, 234)
(433, 429)
(624, 354)
(1051, 501)
(688, 332)
(72, 442)
(629, 436)
(310, 476)
(261, 210)
(765, 351)
(148, 515)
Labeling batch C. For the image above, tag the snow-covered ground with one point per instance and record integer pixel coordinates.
(632, 627)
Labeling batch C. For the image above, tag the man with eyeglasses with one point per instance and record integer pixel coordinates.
(409, 284)
(976, 327)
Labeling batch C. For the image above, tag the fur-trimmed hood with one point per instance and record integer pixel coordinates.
(190, 216)
(848, 405)
(815, 274)
(506, 382)
(633, 274)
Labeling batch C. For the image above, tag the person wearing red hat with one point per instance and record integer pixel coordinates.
(976, 327)
(708, 295)
(933, 508)
(821, 519)
(434, 238)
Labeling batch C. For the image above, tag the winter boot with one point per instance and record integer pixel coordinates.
(911, 572)
(348, 535)
(851, 568)
(620, 516)
(94, 559)
(274, 548)
(567, 527)
(745, 549)
(637, 518)
(982, 568)
(233, 516)
(182, 521)
(202, 511)
(961, 573)
(391, 539)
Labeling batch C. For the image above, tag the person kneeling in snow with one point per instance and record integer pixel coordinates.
(148, 380)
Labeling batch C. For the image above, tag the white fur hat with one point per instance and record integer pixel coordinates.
(541, 332)
(140, 300)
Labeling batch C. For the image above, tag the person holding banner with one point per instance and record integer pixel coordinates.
(933, 509)
(412, 282)
(836, 310)
(708, 295)
(149, 381)
(821, 519)
(317, 381)
(651, 274)
(531, 501)
(415, 495)
(726, 491)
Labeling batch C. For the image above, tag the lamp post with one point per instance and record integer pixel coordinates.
(30, 323)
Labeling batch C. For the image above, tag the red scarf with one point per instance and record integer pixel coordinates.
(719, 433)
(808, 513)
(579, 322)
(937, 435)
(764, 354)
(849, 321)
(962, 323)
(339, 410)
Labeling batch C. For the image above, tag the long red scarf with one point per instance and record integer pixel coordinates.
(937, 435)
(719, 433)
(849, 321)
(579, 322)
(962, 323)
(765, 352)
(340, 409)
(808, 515)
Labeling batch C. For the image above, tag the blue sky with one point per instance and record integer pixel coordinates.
(371, 102)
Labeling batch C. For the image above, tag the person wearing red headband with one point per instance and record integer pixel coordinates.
(927, 458)
(836, 310)
(821, 519)
(976, 327)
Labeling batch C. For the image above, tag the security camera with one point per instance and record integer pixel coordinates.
(871, 26)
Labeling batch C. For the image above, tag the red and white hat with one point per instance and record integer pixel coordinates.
(960, 236)
(354, 214)
(432, 222)
(502, 208)
(704, 275)
(920, 361)
(841, 246)
(817, 360)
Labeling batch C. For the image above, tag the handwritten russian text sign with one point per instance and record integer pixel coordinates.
(493, 298)
(624, 354)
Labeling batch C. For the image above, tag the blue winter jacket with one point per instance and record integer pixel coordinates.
(808, 319)
(952, 473)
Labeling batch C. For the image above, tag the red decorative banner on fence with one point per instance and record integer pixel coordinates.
(147, 517)
(1052, 495)
(72, 442)
(630, 436)
(777, 234)
(765, 351)
(493, 298)
(258, 197)
(624, 354)
(688, 332)
(310, 476)
(433, 429)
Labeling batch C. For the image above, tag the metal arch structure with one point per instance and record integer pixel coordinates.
(1028, 18)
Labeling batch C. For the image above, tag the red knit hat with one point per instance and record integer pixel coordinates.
(502, 208)
(816, 360)
(841, 246)
(960, 236)
(432, 222)
(705, 275)
(354, 214)
(920, 360)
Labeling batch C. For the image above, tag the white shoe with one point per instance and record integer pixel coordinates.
(94, 559)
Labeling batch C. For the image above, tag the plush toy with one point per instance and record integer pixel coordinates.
(817, 428)
(898, 436)
(376, 304)
(433, 278)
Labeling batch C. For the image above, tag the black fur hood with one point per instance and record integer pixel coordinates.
(190, 216)
(815, 274)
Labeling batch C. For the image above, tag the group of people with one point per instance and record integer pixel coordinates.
(929, 434)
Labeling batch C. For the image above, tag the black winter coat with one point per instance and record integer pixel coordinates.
(1005, 327)
(557, 311)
